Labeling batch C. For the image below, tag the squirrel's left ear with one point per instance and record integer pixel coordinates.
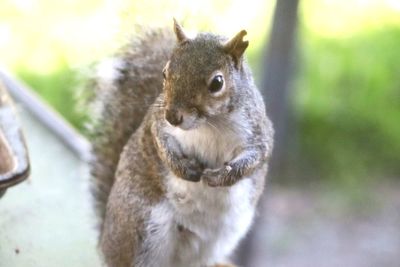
(180, 34)
(236, 47)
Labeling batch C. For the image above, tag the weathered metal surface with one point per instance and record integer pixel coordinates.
(27, 98)
(48, 220)
(14, 161)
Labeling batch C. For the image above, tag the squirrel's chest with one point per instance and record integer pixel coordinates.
(212, 146)
(213, 219)
(199, 206)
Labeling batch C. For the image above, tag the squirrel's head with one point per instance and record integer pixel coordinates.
(204, 78)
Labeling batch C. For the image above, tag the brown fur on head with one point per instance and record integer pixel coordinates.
(203, 77)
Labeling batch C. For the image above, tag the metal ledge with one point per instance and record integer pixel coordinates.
(46, 115)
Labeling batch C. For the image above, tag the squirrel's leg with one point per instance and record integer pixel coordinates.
(123, 223)
(234, 170)
(171, 153)
(136, 233)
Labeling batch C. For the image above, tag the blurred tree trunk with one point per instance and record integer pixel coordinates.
(277, 76)
(278, 66)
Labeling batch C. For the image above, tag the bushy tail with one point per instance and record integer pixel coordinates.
(125, 87)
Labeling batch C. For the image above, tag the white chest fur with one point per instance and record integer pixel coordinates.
(213, 219)
(216, 215)
(214, 145)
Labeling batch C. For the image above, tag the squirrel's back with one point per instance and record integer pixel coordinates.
(125, 86)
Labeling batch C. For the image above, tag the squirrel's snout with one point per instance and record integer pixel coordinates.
(174, 117)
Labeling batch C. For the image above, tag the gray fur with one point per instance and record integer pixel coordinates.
(180, 196)
(123, 102)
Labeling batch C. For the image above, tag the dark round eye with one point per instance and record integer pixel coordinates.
(216, 84)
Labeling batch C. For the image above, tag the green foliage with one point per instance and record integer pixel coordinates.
(58, 89)
(46, 42)
(348, 103)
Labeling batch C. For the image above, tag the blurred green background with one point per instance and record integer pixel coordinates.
(345, 93)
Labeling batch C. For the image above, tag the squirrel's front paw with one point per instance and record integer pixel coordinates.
(192, 170)
(218, 177)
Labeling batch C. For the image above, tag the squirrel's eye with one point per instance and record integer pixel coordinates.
(216, 84)
(164, 73)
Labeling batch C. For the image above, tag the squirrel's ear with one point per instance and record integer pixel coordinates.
(236, 46)
(180, 34)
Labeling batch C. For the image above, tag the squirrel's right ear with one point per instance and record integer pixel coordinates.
(236, 47)
(180, 34)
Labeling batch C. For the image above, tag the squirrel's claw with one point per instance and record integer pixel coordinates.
(218, 177)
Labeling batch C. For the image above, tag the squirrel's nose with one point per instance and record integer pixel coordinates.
(174, 117)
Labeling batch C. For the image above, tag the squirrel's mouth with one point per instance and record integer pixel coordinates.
(190, 124)
(184, 120)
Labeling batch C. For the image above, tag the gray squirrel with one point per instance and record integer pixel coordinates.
(181, 143)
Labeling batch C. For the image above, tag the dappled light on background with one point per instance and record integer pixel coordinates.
(347, 90)
(48, 43)
(39, 35)
(330, 18)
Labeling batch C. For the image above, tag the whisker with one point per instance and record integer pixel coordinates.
(226, 125)
(214, 127)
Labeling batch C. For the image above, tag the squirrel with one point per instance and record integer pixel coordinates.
(181, 143)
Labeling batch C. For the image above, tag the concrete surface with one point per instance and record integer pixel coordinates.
(47, 220)
(316, 226)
